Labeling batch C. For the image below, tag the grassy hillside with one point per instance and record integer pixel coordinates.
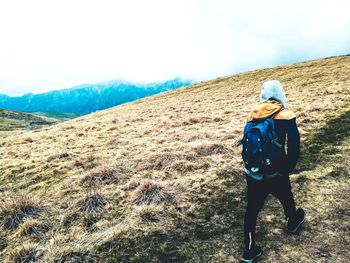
(15, 121)
(58, 115)
(158, 179)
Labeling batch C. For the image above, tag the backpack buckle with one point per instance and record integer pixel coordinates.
(274, 141)
(254, 169)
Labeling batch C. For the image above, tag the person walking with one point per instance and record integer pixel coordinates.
(270, 128)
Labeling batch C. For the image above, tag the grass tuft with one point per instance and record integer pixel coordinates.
(3, 241)
(153, 193)
(132, 185)
(149, 214)
(184, 166)
(32, 227)
(86, 162)
(209, 149)
(160, 161)
(14, 210)
(93, 202)
(22, 254)
(60, 155)
(191, 120)
(105, 174)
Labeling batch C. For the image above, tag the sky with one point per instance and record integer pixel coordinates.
(46, 45)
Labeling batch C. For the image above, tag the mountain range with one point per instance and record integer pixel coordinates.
(88, 98)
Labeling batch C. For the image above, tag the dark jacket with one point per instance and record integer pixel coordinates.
(287, 134)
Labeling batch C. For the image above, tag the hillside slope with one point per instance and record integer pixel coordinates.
(158, 180)
(16, 121)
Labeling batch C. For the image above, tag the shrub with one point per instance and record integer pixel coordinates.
(209, 149)
(183, 166)
(160, 161)
(3, 242)
(92, 203)
(153, 193)
(88, 220)
(149, 214)
(70, 218)
(85, 162)
(32, 226)
(218, 119)
(339, 171)
(198, 136)
(61, 155)
(229, 172)
(22, 254)
(132, 185)
(192, 120)
(104, 174)
(28, 140)
(72, 255)
(15, 210)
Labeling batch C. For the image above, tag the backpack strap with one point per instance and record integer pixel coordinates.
(238, 143)
(285, 115)
(274, 114)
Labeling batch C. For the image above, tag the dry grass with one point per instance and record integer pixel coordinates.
(160, 160)
(14, 210)
(191, 121)
(184, 167)
(179, 195)
(93, 202)
(149, 214)
(85, 162)
(105, 174)
(60, 155)
(32, 227)
(153, 193)
(209, 149)
(22, 254)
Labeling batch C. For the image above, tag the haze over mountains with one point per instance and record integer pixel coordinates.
(88, 98)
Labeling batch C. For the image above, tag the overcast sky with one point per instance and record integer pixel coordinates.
(47, 45)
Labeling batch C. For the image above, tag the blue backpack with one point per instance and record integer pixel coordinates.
(260, 146)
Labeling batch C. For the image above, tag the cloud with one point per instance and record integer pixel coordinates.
(57, 44)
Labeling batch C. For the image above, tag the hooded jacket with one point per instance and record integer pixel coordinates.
(285, 127)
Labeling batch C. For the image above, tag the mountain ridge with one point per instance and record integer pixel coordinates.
(87, 98)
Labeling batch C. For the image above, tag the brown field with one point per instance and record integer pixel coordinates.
(159, 180)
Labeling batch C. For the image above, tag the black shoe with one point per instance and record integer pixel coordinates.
(250, 256)
(296, 221)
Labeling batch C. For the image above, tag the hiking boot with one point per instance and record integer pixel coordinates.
(250, 256)
(296, 221)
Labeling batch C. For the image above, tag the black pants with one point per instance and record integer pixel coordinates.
(257, 191)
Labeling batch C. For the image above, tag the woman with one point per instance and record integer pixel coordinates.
(272, 178)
